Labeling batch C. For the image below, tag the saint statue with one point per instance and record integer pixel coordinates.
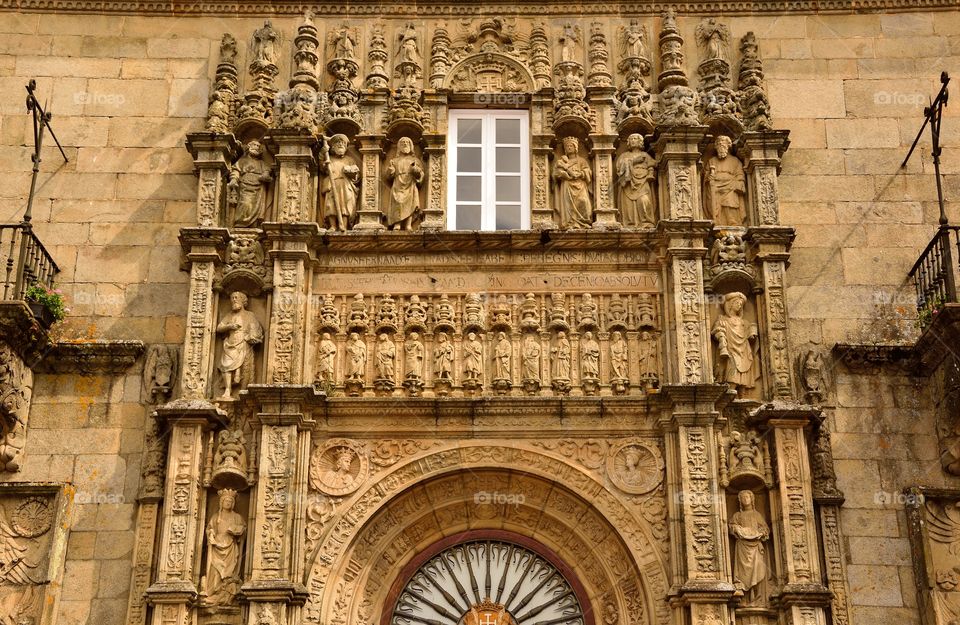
(736, 338)
(242, 331)
(472, 357)
(501, 357)
(750, 531)
(589, 357)
(340, 186)
(414, 350)
(443, 357)
(531, 358)
(649, 369)
(634, 41)
(724, 186)
(407, 51)
(572, 173)
(224, 547)
(561, 357)
(266, 44)
(405, 172)
(356, 358)
(618, 356)
(248, 182)
(326, 356)
(636, 171)
(344, 43)
(386, 357)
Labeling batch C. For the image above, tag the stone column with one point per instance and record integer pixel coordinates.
(761, 153)
(275, 562)
(434, 214)
(603, 137)
(541, 211)
(695, 503)
(181, 533)
(370, 216)
(296, 154)
(213, 155)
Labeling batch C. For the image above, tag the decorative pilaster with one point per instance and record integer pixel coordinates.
(279, 503)
(182, 519)
(602, 152)
(213, 155)
(295, 153)
(369, 211)
(541, 210)
(435, 153)
(762, 152)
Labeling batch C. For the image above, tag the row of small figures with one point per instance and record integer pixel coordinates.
(570, 364)
(469, 313)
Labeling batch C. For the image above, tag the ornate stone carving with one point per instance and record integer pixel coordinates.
(405, 174)
(242, 332)
(413, 364)
(724, 187)
(753, 96)
(677, 99)
(737, 361)
(821, 465)
(297, 107)
(340, 185)
(636, 172)
(530, 361)
(377, 58)
(717, 100)
(635, 467)
(540, 55)
(356, 363)
(812, 374)
(744, 454)
(386, 363)
(633, 106)
(338, 467)
(245, 259)
(16, 383)
(560, 361)
(573, 176)
(25, 547)
(589, 363)
(502, 356)
(256, 110)
(247, 189)
(224, 543)
(599, 57)
(343, 110)
(230, 461)
(223, 97)
(572, 114)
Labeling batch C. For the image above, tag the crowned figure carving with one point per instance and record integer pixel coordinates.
(224, 543)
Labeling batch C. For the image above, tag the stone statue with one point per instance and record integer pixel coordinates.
(714, 37)
(231, 453)
(569, 41)
(531, 358)
(386, 357)
(356, 358)
(159, 373)
(649, 368)
(408, 51)
(750, 531)
(266, 44)
(724, 186)
(589, 357)
(224, 548)
(501, 357)
(340, 186)
(736, 338)
(472, 357)
(405, 172)
(242, 331)
(618, 356)
(573, 176)
(340, 475)
(443, 357)
(636, 171)
(248, 182)
(561, 357)
(326, 357)
(414, 350)
(634, 41)
(344, 43)
(812, 376)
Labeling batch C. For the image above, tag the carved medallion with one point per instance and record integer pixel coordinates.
(635, 468)
(338, 467)
(32, 518)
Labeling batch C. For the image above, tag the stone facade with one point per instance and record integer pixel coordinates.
(690, 388)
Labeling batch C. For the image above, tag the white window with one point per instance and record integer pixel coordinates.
(489, 183)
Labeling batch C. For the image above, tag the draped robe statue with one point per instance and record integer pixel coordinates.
(248, 185)
(243, 331)
(573, 176)
(750, 531)
(724, 188)
(736, 362)
(405, 172)
(224, 537)
(340, 187)
(472, 357)
(636, 171)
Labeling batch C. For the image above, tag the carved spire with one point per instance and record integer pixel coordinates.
(753, 97)
(570, 104)
(540, 56)
(264, 53)
(221, 111)
(343, 67)
(404, 106)
(297, 106)
(677, 99)
(439, 56)
(377, 59)
(716, 96)
(633, 106)
(599, 57)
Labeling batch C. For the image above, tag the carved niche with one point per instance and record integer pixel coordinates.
(487, 58)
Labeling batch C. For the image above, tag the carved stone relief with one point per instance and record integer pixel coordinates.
(242, 332)
(16, 389)
(736, 356)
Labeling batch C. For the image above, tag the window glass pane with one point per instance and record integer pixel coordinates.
(468, 217)
(468, 188)
(508, 160)
(469, 130)
(508, 131)
(508, 217)
(468, 159)
(508, 188)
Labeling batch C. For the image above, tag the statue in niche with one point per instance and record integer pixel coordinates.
(573, 176)
(242, 331)
(326, 357)
(266, 44)
(618, 356)
(472, 357)
(405, 172)
(340, 186)
(561, 357)
(531, 358)
(589, 357)
(247, 186)
(636, 171)
(750, 531)
(568, 42)
(501, 357)
(649, 369)
(224, 548)
(356, 358)
(737, 345)
(414, 350)
(634, 41)
(408, 51)
(724, 188)
(443, 357)
(344, 43)
(386, 357)
(714, 37)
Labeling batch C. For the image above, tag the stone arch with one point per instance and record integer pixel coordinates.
(425, 498)
(490, 72)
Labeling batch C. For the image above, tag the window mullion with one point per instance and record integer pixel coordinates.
(489, 217)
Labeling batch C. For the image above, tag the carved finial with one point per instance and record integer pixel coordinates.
(753, 97)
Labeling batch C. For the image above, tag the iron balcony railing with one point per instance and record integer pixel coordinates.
(24, 260)
(935, 274)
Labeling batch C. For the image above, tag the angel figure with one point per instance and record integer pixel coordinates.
(568, 41)
(407, 51)
(714, 37)
(344, 42)
(266, 44)
(633, 42)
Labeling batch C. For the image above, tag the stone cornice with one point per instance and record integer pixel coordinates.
(93, 357)
(453, 8)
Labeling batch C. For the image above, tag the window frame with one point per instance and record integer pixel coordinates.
(488, 173)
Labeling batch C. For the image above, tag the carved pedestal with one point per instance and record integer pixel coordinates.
(762, 152)
(213, 155)
(295, 152)
(369, 209)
